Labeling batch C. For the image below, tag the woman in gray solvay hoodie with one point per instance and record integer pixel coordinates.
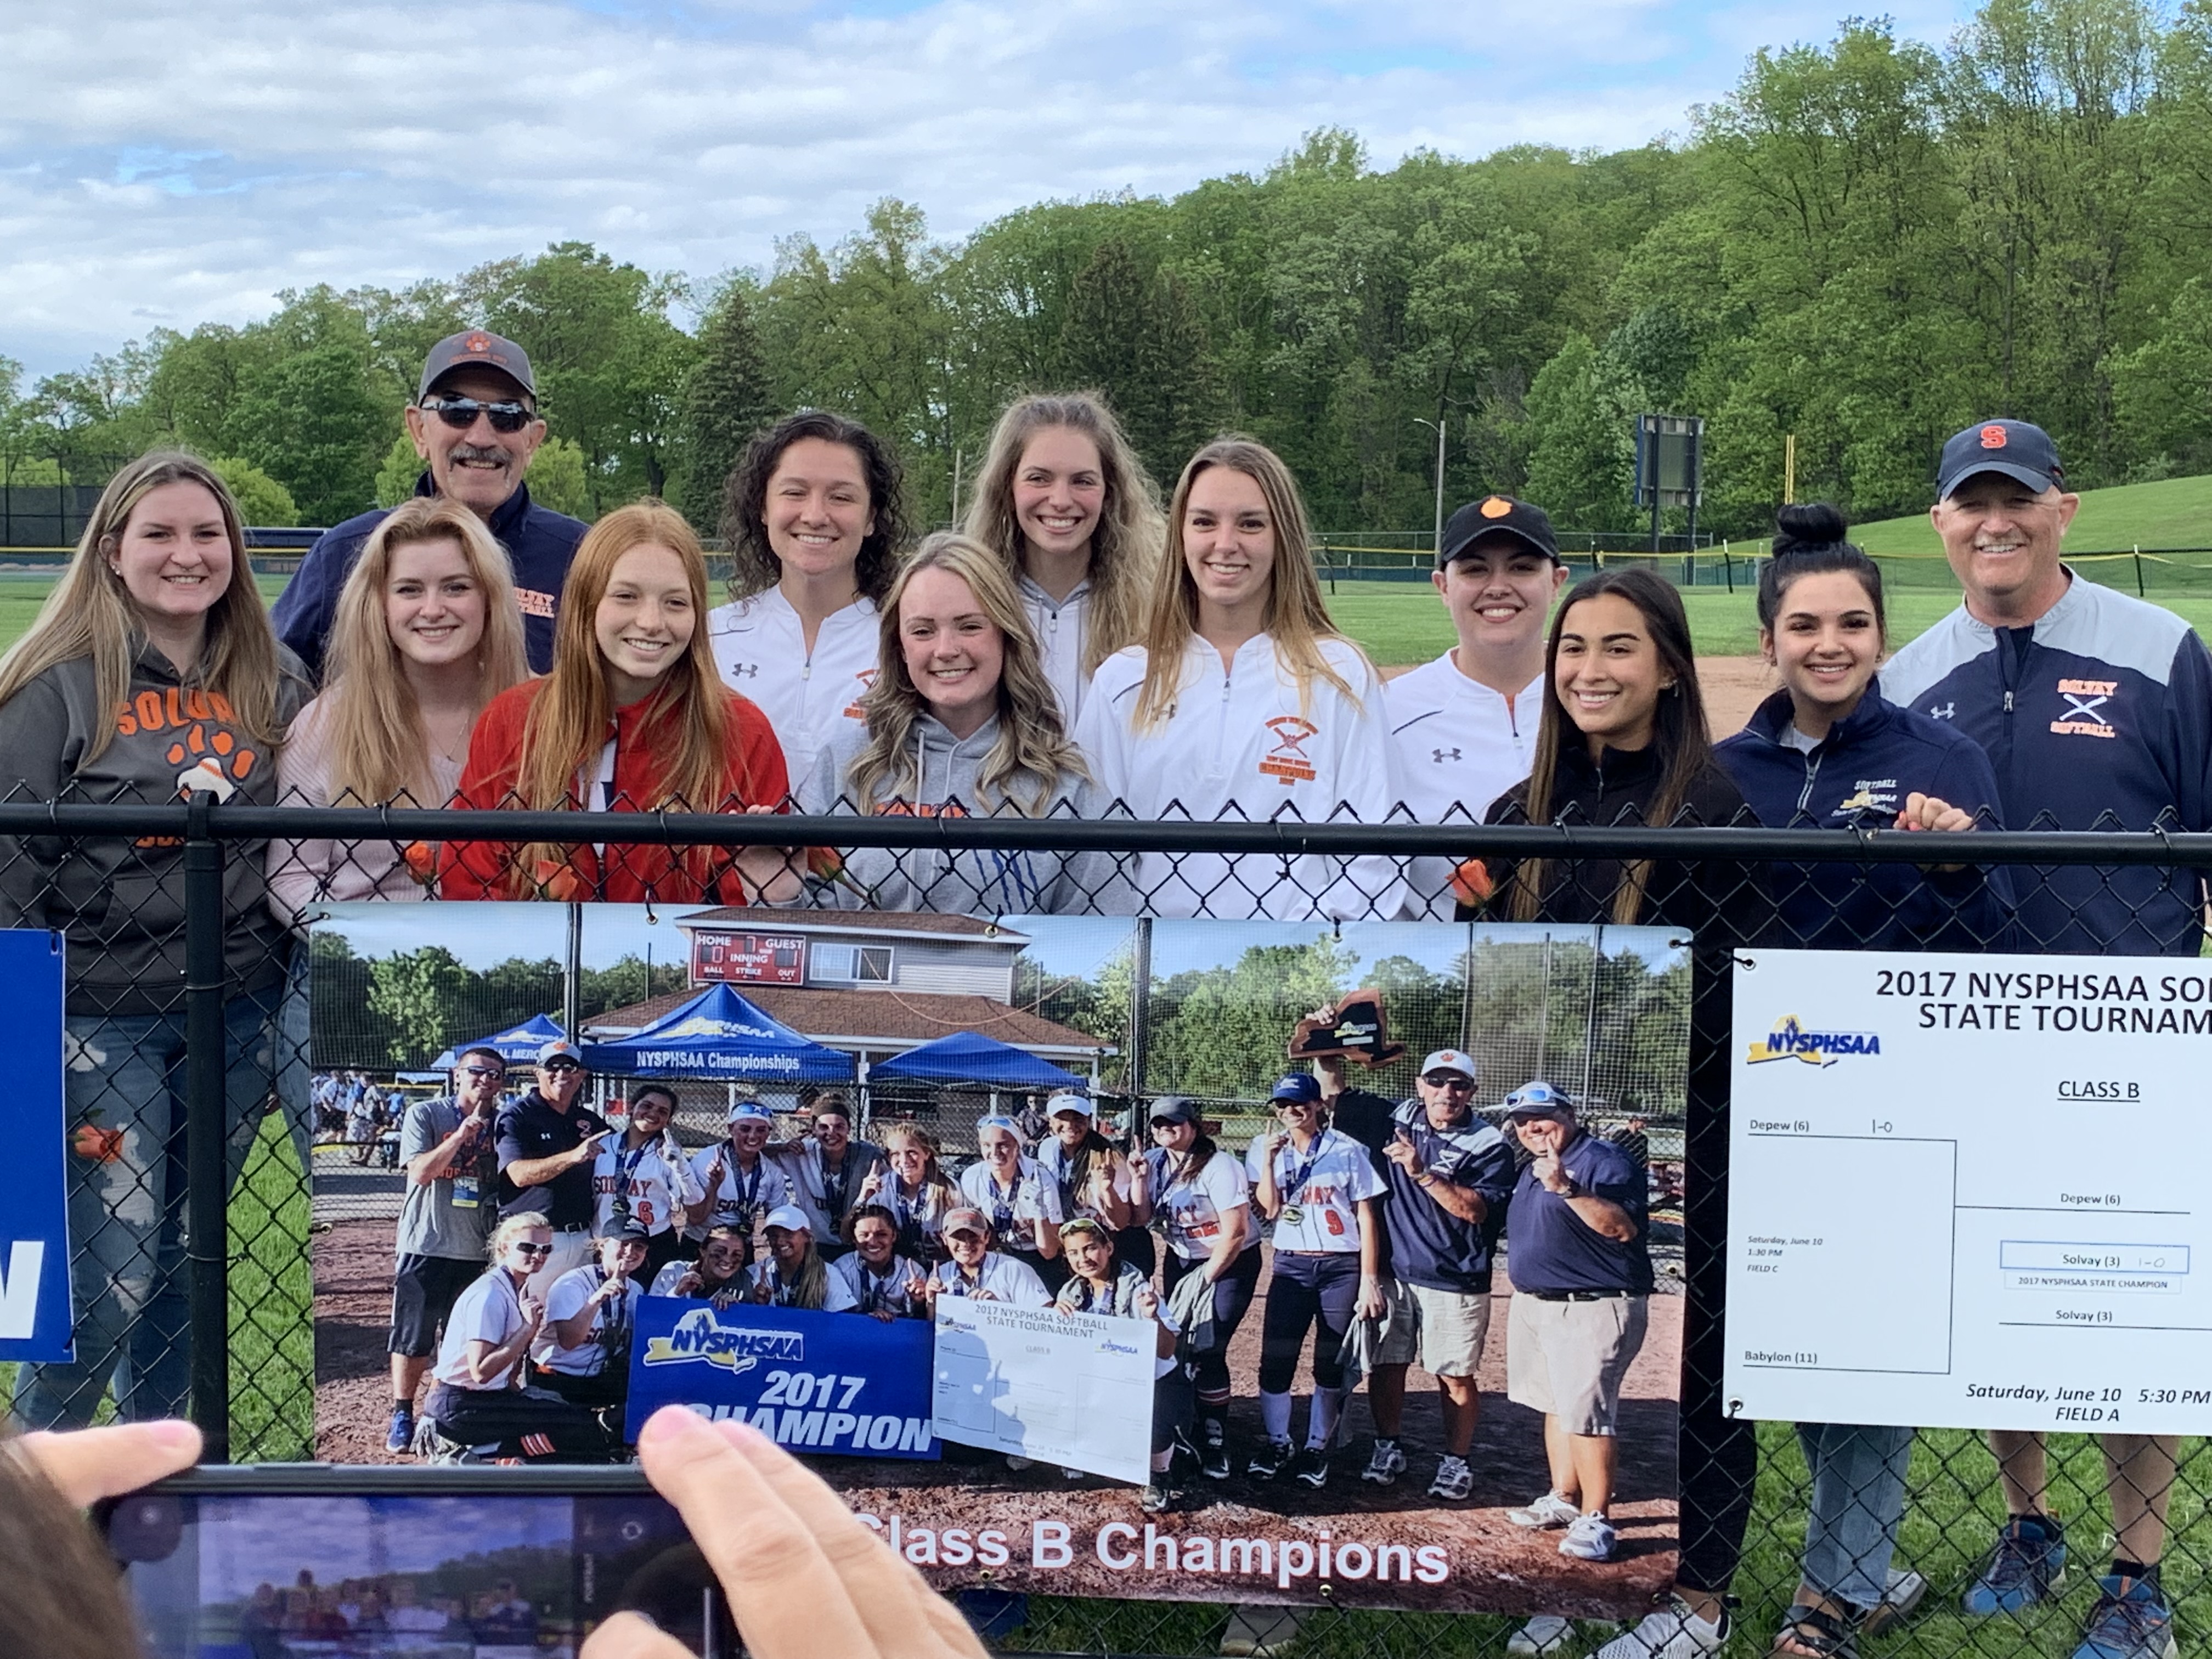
(151, 675)
(961, 721)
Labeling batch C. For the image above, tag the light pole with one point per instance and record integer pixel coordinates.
(1438, 425)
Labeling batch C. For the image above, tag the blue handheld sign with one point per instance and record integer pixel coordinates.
(840, 1383)
(34, 1253)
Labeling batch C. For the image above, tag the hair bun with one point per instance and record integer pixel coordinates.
(1804, 524)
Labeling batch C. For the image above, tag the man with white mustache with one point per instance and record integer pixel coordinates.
(1463, 727)
(2096, 709)
(475, 424)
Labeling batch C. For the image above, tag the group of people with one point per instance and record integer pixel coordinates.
(1058, 655)
(1384, 1218)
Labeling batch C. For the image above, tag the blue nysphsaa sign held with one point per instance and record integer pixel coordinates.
(840, 1383)
(34, 1253)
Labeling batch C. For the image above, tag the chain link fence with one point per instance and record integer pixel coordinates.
(193, 1114)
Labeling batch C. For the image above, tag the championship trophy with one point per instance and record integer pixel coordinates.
(1359, 1030)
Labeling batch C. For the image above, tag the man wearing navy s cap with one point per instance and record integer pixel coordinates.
(1582, 1283)
(1463, 727)
(475, 424)
(546, 1144)
(1449, 1177)
(2096, 709)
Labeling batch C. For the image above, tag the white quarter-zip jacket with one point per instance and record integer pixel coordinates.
(1237, 748)
(760, 651)
(1458, 745)
(1059, 627)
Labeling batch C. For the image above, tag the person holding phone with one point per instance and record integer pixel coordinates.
(1244, 702)
(1021, 1199)
(1198, 1196)
(1065, 504)
(449, 1148)
(478, 1397)
(642, 1178)
(814, 516)
(547, 1144)
(1319, 1188)
(1099, 1284)
(718, 1276)
(632, 719)
(915, 1189)
(793, 1273)
(739, 1182)
(882, 1283)
(592, 1311)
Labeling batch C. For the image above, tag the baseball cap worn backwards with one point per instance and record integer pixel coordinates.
(2016, 449)
(1498, 515)
(475, 349)
(1538, 1100)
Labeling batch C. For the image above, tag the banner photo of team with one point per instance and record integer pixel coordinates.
(1093, 1255)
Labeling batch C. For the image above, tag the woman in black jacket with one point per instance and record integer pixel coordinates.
(1623, 741)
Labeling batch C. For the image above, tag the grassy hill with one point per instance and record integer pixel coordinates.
(2172, 513)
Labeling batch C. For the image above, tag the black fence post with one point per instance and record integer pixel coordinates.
(207, 1132)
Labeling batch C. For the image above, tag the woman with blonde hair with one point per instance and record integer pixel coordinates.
(1064, 500)
(960, 722)
(632, 719)
(914, 1186)
(427, 632)
(1244, 702)
(151, 674)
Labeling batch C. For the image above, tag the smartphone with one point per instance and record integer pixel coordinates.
(320, 1561)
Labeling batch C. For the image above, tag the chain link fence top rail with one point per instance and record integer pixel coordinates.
(189, 1096)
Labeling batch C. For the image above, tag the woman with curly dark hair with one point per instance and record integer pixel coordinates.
(815, 519)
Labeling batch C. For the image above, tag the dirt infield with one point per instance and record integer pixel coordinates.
(1493, 1564)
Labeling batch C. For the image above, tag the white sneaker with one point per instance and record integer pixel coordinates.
(1385, 1465)
(1589, 1538)
(1672, 1632)
(1455, 1480)
(1547, 1633)
(1549, 1511)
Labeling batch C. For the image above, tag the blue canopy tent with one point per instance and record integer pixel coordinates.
(516, 1042)
(970, 1057)
(718, 1034)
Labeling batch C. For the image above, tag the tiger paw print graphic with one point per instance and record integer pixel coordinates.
(213, 761)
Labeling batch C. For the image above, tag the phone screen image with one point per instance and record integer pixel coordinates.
(459, 1576)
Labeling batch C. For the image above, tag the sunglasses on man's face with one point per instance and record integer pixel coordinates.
(1448, 1080)
(493, 1072)
(460, 413)
(562, 1068)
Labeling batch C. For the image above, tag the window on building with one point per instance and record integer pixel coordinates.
(853, 964)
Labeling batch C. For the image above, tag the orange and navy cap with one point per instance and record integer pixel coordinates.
(1498, 515)
(2014, 448)
(475, 349)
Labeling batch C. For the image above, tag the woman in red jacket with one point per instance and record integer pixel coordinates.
(633, 718)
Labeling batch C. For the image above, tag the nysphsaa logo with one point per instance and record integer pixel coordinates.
(1792, 1039)
(699, 1336)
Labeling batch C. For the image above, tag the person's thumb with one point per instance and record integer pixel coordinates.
(88, 1464)
(632, 1636)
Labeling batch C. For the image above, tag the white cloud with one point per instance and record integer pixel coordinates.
(174, 163)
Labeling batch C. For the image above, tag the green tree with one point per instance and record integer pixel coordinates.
(728, 395)
(1580, 446)
(1136, 335)
(261, 500)
(418, 993)
(310, 421)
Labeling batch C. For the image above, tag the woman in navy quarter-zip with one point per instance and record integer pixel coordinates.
(1829, 752)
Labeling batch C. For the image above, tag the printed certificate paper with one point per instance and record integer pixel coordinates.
(1969, 1191)
(1074, 1389)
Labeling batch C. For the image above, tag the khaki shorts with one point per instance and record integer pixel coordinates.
(1444, 1330)
(1567, 1359)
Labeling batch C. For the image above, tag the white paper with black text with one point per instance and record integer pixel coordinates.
(1074, 1389)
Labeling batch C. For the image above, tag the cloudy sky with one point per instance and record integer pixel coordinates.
(164, 164)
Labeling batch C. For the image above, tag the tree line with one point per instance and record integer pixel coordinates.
(1866, 244)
